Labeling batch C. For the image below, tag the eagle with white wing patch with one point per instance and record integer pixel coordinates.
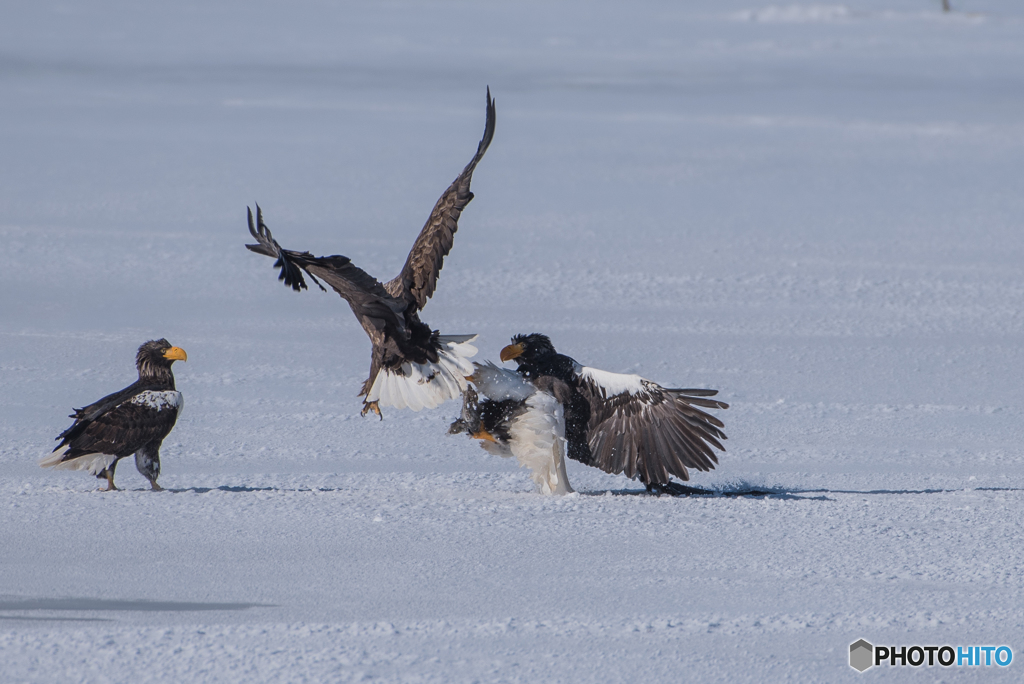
(519, 419)
(623, 423)
(133, 421)
(411, 366)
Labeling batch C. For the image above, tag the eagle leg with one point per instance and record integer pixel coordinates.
(147, 461)
(371, 406)
(108, 475)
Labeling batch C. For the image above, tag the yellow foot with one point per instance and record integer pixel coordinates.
(156, 487)
(371, 406)
(110, 484)
(485, 435)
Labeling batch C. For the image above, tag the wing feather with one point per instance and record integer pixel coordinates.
(648, 431)
(372, 304)
(121, 431)
(418, 279)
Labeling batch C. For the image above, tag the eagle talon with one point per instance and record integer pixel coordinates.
(371, 406)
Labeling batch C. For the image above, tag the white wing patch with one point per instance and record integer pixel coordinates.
(426, 385)
(94, 463)
(158, 401)
(537, 442)
(613, 384)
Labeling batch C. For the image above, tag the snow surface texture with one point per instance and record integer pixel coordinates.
(817, 212)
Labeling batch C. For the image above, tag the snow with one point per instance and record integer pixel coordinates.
(817, 212)
(160, 400)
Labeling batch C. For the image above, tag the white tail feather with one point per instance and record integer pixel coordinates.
(537, 438)
(94, 463)
(427, 385)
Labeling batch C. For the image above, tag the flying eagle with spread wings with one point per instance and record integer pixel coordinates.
(620, 423)
(411, 366)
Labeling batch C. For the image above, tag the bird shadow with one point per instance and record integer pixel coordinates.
(682, 491)
(235, 489)
(63, 605)
(678, 490)
(134, 605)
(239, 489)
(901, 492)
(36, 618)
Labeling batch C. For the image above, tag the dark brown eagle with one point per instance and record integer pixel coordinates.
(620, 423)
(132, 421)
(411, 366)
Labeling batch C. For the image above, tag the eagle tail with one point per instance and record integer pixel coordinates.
(417, 386)
(537, 441)
(94, 463)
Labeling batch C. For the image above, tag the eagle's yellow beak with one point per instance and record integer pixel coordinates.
(512, 351)
(176, 354)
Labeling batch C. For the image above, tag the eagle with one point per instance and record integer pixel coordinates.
(411, 366)
(620, 423)
(133, 421)
(520, 419)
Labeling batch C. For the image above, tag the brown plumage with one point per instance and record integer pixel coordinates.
(624, 423)
(134, 420)
(420, 367)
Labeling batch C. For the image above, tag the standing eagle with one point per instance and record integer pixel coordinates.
(620, 423)
(132, 421)
(410, 364)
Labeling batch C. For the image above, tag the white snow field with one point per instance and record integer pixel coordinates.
(817, 209)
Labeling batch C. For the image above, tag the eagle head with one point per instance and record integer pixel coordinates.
(155, 358)
(528, 348)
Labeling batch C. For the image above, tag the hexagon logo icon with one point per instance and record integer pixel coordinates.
(862, 655)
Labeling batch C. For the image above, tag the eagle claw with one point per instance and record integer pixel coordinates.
(371, 406)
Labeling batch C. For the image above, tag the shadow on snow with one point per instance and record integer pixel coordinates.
(61, 605)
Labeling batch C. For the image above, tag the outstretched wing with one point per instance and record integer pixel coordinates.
(370, 302)
(416, 283)
(644, 430)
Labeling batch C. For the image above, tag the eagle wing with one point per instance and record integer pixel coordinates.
(138, 423)
(418, 279)
(372, 304)
(644, 430)
(84, 416)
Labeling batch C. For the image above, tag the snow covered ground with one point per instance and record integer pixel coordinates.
(815, 208)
